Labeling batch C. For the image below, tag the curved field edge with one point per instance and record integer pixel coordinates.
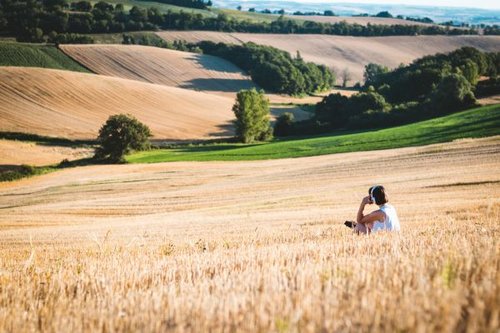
(37, 55)
(474, 123)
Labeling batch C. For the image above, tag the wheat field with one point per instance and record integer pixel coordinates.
(256, 246)
(74, 105)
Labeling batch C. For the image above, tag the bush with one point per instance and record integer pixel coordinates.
(252, 116)
(454, 93)
(120, 135)
(284, 123)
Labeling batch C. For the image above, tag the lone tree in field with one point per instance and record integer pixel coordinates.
(345, 76)
(119, 135)
(252, 116)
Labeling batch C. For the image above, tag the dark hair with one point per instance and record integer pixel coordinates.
(379, 194)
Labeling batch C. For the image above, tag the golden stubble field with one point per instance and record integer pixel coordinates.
(256, 246)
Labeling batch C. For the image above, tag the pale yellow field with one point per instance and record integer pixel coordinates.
(162, 66)
(340, 52)
(256, 246)
(75, 105)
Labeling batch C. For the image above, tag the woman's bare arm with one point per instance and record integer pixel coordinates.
(372, 217)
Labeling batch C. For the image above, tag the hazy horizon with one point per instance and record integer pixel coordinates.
(485, 4)
(439, 11)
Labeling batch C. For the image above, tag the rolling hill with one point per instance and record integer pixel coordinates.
(339, 52)
(36, 55)
(162, 66)
(74, 105)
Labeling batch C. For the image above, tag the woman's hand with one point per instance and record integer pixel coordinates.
(366, 201)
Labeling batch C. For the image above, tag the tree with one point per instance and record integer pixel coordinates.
(454, 93)
(345, 76)
(252, 116)
(385, 14)
(119, 135)
(284, 124)
(372, 71)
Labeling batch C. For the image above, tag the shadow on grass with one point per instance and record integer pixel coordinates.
(45, 140)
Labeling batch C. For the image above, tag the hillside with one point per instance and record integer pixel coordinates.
(36, 55)
(480, 122)
(75, 105)
(161, 66)
(339, 52)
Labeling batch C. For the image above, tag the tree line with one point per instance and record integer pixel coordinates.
(197, 4)
(272, 69)
(35, 20)
(429, 87)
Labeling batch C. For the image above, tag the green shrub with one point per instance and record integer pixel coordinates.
(284, 123)
(252, 116)
(119, 135)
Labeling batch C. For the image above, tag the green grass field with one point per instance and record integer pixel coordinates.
(475, 123)
(37, 55)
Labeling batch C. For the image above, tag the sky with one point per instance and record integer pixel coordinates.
(488, 4)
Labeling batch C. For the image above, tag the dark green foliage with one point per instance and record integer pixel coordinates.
(454, 93)
(119, 135)
(273, 69)
(68, 38)
(283, 125)
(17, 173)
(150, 39)
(429, 87)
(252, 116)
(81, 6)
(45, 140)
(416, 81)
(199, 4)
(22, 171)
(492, 30)
(15, 54)
(488, 87)
(34, 20)
(372, 72)
(385, 14)
(332, 110)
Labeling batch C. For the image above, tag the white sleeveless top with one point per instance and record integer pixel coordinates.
(391, 222)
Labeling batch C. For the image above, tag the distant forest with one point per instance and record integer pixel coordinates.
(198, 4)
(36, 21)
(429, 87)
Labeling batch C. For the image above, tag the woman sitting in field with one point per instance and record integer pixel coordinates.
(384, 218)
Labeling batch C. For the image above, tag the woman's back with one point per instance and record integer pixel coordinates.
(391, 222)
